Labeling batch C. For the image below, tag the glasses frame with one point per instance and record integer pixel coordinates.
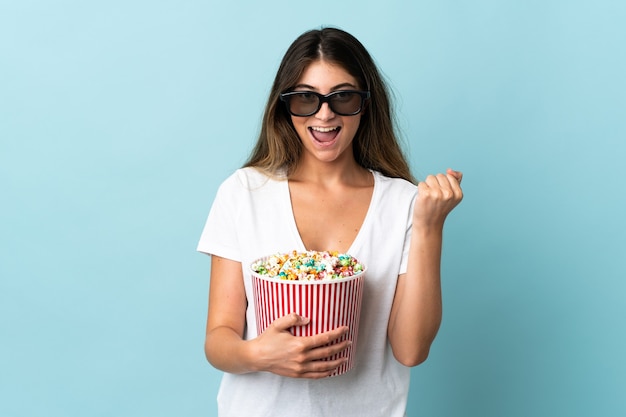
(365, 95)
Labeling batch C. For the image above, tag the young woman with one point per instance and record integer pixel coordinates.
(327, 173)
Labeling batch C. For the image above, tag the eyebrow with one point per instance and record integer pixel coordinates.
(337, 87)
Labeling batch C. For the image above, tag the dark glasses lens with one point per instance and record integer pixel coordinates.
(307, 103)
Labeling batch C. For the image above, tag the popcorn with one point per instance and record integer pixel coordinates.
(308, 266)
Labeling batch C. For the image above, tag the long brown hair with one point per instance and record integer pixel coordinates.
(375, 144)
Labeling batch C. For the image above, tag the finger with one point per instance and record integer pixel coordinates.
(328, 351)
(455, 178)
(329, 365)
(444, 181)
(456, 190)
(458, 175)
(430, 188)
(430, 182)
(321, 369)
(288, 321)
(323, 339)
(438, 182)
(443, 186)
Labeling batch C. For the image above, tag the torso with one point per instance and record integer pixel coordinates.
(235, 232)
(329, 218)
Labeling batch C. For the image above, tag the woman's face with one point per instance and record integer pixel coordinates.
(326, 136)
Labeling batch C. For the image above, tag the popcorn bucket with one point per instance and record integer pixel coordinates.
(327, 303)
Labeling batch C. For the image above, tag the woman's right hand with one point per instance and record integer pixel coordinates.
(276, 350)
(280, 352)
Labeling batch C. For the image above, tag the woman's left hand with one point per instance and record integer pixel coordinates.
(437, 196)
(416, 311)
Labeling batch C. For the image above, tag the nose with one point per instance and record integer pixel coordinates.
(325, 112)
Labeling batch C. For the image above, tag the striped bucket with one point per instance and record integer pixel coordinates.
(327, 303)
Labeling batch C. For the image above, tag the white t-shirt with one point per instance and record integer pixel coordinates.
(252, 217)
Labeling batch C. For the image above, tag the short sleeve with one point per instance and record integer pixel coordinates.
(219, 236)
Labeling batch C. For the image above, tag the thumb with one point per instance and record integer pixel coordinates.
(290, 320)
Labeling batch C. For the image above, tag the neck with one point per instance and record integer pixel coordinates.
(331, 173)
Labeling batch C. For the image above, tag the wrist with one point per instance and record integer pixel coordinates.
(248, 352)
(427, 228)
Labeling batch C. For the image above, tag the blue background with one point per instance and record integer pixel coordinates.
(119, 119)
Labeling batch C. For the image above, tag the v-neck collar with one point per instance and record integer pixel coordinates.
(356, 243)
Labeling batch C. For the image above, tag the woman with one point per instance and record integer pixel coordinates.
(327, 173)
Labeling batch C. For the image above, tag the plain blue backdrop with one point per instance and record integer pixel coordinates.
(119, 119)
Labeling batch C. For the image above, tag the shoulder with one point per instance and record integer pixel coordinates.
(247, 185)
(394, 185)
(246, 179)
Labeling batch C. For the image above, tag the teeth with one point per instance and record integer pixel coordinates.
(324, 129)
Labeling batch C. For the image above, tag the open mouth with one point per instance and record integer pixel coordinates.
(324, 134)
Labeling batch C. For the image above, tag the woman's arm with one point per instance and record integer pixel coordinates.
(416, 310)
(276, 350)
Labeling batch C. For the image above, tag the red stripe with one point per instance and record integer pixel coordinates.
(255, 294)
(300, 307)
(263, 303)
(314, 329)
(274, 306)
(297, 331)
(320, 308)
(263, 306)
(327, 305)
(307, 308)
(309, 311)
(323, 307)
